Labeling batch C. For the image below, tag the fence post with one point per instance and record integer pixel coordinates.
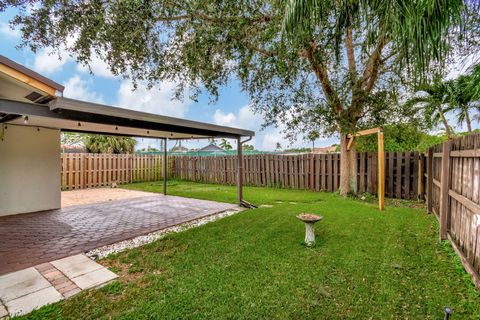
(312, 165)
(420, 177)
(445, 187)
(430, 180)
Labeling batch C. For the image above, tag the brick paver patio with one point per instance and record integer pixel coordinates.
(33, 238)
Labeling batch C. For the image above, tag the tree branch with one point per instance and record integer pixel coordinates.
(352, 66)
(207, 18)
(321, 73)
(370, 74)
(263, 52)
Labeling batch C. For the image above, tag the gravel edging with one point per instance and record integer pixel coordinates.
(102, 252)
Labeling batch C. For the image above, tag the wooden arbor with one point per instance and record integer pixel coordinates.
(381, 161)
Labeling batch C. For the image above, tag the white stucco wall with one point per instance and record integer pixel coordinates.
(29, 170)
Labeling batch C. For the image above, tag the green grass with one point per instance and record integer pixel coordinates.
(366, 265)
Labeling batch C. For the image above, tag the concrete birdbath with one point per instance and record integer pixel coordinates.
(309, 220)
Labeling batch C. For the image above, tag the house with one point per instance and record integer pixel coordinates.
(212, 148)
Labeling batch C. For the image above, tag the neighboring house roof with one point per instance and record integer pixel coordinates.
(81, 116)
(321, 150)
(211, 147)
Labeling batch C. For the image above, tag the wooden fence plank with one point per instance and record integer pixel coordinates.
(407, 178)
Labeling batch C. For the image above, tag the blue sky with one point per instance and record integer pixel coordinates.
(231, 109)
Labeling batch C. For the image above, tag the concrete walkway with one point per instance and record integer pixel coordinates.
(30, 239)
(26, 290)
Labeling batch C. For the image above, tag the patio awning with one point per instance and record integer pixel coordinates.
(80, 116)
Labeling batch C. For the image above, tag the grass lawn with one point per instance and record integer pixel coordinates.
(366, 265)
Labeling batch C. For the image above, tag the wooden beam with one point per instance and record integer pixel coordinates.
(472, 153)
(361, 133)
(17, 75)
(365, 132)
(381, 172)
(467, 203)
(350, 142)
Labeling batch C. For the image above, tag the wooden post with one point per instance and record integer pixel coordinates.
(445, 187)
(239, 172)
(381, 172)
(430, 180)
(420, 177)
(165, 167)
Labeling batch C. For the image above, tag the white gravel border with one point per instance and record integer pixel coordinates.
(139, 241)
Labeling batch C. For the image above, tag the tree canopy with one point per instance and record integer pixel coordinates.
(96, 143)
(314, 65)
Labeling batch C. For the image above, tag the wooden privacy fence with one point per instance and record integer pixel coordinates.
(453, 195)
(90, 170)
(319, 172)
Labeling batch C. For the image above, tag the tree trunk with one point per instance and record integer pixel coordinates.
(468, 121)
(348, 167)
(445, 123)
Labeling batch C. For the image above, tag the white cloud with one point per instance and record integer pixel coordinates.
(98, 67)
(47, 62)
(224, 119)
(156, 100)
(8, 32)
(266, 139)
(76, 88)
(244, 119)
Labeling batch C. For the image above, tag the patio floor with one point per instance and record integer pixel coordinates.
(30, 239)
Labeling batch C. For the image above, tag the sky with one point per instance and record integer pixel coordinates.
(101, 86)
(231, 109)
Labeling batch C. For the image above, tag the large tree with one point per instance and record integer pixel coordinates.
(323, 65)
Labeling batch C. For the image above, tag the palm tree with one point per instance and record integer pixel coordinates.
(312, 136)
(461, 99)
(225, 145)
(468, 96)
(96, 143)
(473, 82)
(433, 101)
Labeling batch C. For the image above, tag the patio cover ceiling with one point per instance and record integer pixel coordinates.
(28, 98)
(80, 116)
